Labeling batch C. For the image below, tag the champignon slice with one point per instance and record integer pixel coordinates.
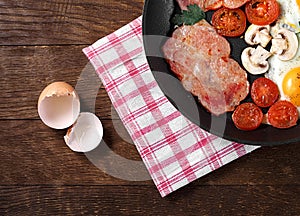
(255, 60)
(285, 44)
(278, 46)
(258, 35)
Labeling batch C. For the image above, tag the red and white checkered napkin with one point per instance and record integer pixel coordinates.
(174, 150)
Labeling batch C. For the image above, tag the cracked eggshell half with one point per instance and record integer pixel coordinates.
(58, 105)
(86, 133)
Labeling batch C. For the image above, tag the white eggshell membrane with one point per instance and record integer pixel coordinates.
(59, 105)
(86, 134)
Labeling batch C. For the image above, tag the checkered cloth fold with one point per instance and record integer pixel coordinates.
(174, 150)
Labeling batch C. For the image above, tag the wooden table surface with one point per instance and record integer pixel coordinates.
(41, 42)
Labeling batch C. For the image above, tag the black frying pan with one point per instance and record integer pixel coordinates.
(156, 28)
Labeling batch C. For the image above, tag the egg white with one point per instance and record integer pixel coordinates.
(289, 15)
(289, 18)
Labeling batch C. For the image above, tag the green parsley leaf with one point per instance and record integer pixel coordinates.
(192, 15)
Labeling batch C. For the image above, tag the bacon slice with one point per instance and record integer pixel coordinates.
(200, 59)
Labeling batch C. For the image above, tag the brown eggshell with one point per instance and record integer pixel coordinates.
(58, 105)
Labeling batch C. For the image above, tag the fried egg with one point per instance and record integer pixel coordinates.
(286, 74)
(289, 15)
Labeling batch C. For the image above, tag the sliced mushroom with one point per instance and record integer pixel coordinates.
(278, 46)
(258, 35)
(285, 44)
(255, 60)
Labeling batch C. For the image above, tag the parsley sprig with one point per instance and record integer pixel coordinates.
(192, 15)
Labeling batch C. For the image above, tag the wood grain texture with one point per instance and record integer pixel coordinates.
(41, 42)
(141, 200)
(26, 70)
(39, 155)
(63, 21)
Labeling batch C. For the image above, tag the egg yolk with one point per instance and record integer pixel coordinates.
(291, 85)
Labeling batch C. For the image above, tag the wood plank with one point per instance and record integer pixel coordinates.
(137, 200)
(35, 154)
(41, 42)
(38, 155)
(63, 21)
(25, 71)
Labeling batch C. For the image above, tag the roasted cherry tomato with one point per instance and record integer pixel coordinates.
(262, 12)
(214, 5)
(247, 116)
(229, 22)
(264, 92)
(283, 114)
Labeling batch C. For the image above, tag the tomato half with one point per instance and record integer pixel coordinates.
(229, 22)
(262, 12)
(283, 114)
(247, 116)
(264, 92)
(213, 5)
